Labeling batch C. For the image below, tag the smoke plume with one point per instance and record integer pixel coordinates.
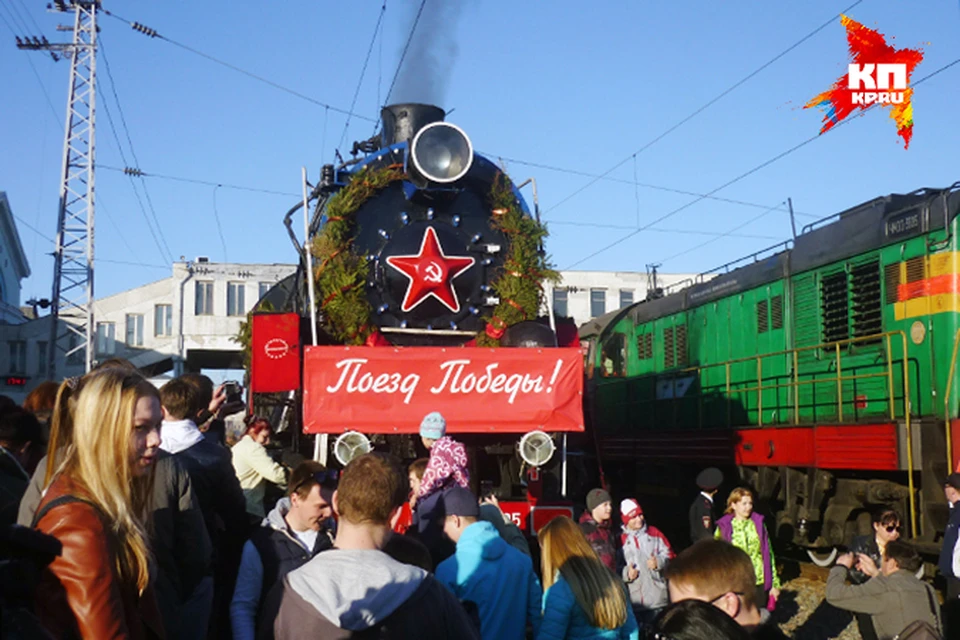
(424, 74)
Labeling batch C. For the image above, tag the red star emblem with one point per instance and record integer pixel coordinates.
(431, 273)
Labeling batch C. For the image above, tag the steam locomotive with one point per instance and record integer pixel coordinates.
(421, 280)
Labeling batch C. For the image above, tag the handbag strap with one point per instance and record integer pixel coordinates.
(933, 608)
(58, 502)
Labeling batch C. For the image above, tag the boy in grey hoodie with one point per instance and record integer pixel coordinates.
(356, 589)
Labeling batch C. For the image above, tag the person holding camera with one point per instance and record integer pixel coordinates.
(254, 466)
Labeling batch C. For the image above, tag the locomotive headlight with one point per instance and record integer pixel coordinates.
(441, 152)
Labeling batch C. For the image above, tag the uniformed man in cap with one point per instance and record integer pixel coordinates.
(703, 522)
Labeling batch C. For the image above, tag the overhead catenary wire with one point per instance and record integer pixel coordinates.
(210, 183)
(725, 234)
(36, 27)
(136, 26)
(363, 72)
(750, 172)
(216, 217)
(44, 236)
(123, 238)
(645, 185)
(43, 87)
(133, 185)
(679, 232)
(143, 210)
(406, 47)
(21, 26)
(133, 151)
(705, 106)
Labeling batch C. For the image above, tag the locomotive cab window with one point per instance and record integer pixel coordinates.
(613, 356)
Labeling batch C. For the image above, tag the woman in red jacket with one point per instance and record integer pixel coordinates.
(98, 586)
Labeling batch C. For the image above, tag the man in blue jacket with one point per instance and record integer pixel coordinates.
(487, 571)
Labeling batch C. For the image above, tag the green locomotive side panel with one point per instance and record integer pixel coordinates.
(828, 344)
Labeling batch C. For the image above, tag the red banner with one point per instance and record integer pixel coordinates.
(275, 352)
(390, 390)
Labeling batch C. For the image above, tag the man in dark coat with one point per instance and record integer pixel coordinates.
(215, 489)
(19, 434)
(299, 527)
(703, 520)
(181, 547)
(949, 563)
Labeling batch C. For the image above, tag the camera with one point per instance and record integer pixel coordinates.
(486, 490)
(234, 391)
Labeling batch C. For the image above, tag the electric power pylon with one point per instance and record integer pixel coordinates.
(72, 300)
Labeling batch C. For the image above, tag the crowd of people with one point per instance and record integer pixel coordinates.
(155, 528)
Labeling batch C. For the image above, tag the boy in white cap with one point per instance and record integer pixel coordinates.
(646, 552)
(447, 467)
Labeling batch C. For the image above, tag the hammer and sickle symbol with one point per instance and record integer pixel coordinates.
(434, 273)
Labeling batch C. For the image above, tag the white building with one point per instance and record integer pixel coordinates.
(13, 265)
(583, 295)
(186, 322)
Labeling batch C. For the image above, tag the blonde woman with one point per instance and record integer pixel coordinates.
(744, 528)
(581, 598)
(98, 586)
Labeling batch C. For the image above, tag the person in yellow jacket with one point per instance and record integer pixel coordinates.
(255, 467)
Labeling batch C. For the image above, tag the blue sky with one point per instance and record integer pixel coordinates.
(551, 83)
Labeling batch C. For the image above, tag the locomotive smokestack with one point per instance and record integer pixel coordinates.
(402, 121)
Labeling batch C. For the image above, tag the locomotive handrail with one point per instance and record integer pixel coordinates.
(839, 379)
(783, 246)
(946, 401)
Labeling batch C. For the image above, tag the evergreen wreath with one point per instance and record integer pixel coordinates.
(341, 274)
(519, 284)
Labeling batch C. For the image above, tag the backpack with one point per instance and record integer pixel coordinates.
(918, 630)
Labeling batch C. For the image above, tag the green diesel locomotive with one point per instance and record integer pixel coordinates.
(823, 369)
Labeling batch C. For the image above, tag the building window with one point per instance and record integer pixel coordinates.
(626, 298)
(106, 338)
(79, 356)
(18, 356)
(598, 302)
(42, 358)
(235, 306)
(204, 306)
(163, 320)
(264, 288)
(560, 303)
(134, 329)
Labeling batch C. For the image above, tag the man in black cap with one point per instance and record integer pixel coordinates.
(949, 564)
(702, 519)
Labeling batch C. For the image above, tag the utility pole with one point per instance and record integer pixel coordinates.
(793, 221)
(72, 300)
